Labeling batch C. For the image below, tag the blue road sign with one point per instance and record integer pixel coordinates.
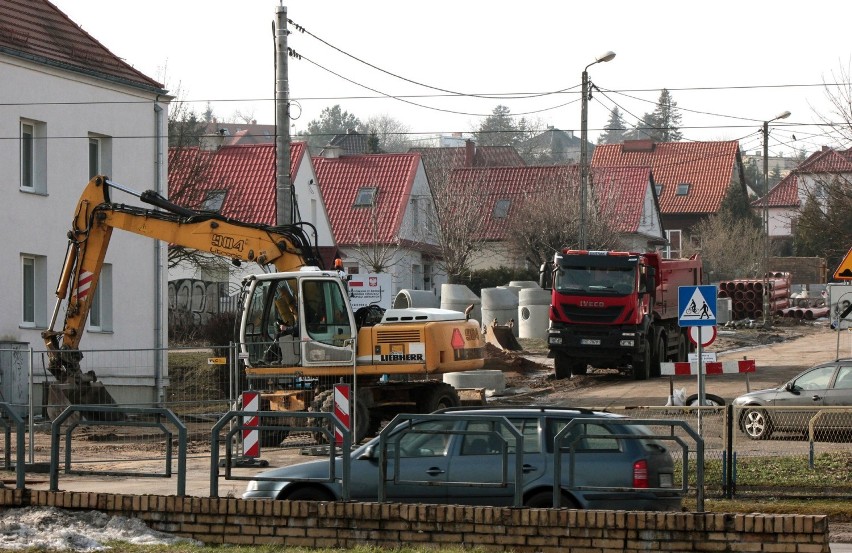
(696, 305)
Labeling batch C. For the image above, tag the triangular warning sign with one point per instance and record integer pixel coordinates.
(844, 271)
(697, 308)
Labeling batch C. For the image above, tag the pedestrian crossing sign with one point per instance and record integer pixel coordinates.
(696, 305)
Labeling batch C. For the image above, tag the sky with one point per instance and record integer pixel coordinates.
(443, 66)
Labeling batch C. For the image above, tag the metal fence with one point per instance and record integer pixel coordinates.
(747, 451)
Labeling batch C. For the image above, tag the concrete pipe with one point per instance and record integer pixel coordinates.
(458, 297)
(500, 304)
(416, 298)
(533, 313)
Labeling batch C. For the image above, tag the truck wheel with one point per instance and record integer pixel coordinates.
(682, 348)
(562, 365)
(324, 403)
(642, 363)
(440, 396)
(659, 355)
(579, 368)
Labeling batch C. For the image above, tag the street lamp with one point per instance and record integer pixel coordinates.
(767, 320)
(584, 146)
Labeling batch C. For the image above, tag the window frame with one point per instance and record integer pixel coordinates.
(366, 196)
(100, 311)
(501, 208)
(214, 200)
(682, 189)
(33, 304)
(32, 160)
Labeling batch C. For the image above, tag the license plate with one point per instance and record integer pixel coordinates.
(589, 342)
(665, 480)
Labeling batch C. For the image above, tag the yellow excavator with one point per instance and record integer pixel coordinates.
(296, 329)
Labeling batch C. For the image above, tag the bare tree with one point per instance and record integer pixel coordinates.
(460, 205)
(392, 133)
(731, 247)
(546, 218)
(839, 95)
(371, 249)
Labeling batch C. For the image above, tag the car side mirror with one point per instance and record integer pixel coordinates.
(368, 454)
(791, 387)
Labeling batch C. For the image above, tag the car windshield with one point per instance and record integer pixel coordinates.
(816, 379)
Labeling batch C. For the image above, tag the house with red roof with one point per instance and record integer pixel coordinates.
(625, 195)
(806, 183)
(239, 182)
(73, 109)
(691, 178)
(381, 209)
(440, 161)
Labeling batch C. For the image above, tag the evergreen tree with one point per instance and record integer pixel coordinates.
(332, 121)
(615, 129)
(499, 129)
(664, 123)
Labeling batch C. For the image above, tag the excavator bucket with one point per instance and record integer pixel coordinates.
(502, 337)
(60, 396)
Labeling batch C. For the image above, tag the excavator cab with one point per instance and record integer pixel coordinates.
(296, 320)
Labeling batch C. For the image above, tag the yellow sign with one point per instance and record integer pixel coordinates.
(216, 361)
(844, 272)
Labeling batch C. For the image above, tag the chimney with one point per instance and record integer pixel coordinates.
(331, 152)
(469, 152)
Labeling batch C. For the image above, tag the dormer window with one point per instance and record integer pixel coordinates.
(366, 197)
(501, 209)
(213, 200)
(659, 188)
(683, 189)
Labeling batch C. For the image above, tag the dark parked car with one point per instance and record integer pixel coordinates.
(825, 385)
(469, 447)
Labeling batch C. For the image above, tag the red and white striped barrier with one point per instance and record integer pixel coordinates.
(251, 444)
(341, 410)
(711, 367)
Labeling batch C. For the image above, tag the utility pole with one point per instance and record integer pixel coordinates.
(283, 181)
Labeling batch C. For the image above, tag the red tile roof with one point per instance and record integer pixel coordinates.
(38, 31)
(440, 161)
(708, 167)
(783, 194)
(827, 160)
(620, 190)
(246, 172)
(340, 179)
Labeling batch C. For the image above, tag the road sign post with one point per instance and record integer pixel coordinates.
(697, 307)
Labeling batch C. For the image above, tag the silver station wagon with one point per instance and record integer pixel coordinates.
(469, 459)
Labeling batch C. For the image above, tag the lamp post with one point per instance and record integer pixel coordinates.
(767, 320)
(584, 147)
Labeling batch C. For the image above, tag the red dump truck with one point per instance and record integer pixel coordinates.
(617, 310)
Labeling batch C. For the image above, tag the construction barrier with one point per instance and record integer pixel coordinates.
(712, 367)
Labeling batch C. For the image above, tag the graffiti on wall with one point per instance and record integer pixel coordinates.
(192, 302)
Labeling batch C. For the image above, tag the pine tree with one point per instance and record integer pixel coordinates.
(499, 129)
(664, 122)
(615, 128)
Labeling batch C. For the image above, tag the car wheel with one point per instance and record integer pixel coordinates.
(309, 494)
(709, 399)
(439, 396)
(756, 424)
(544, 500)
(562, 365)
(682, 348)
(579, 368)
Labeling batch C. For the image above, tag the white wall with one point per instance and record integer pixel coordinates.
(72, 106)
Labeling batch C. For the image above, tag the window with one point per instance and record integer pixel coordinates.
(683, 189)
(659, 188)
(100, 153)
(427, 277)
(94, 157)
(33, 291)
(33, 156)
(501, 209)
(366, 197)
(213, 200)
(673, 248)
(100, 313)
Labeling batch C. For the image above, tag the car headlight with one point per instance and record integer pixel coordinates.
(252, 486)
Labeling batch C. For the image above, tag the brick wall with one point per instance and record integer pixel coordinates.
(390, 525)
